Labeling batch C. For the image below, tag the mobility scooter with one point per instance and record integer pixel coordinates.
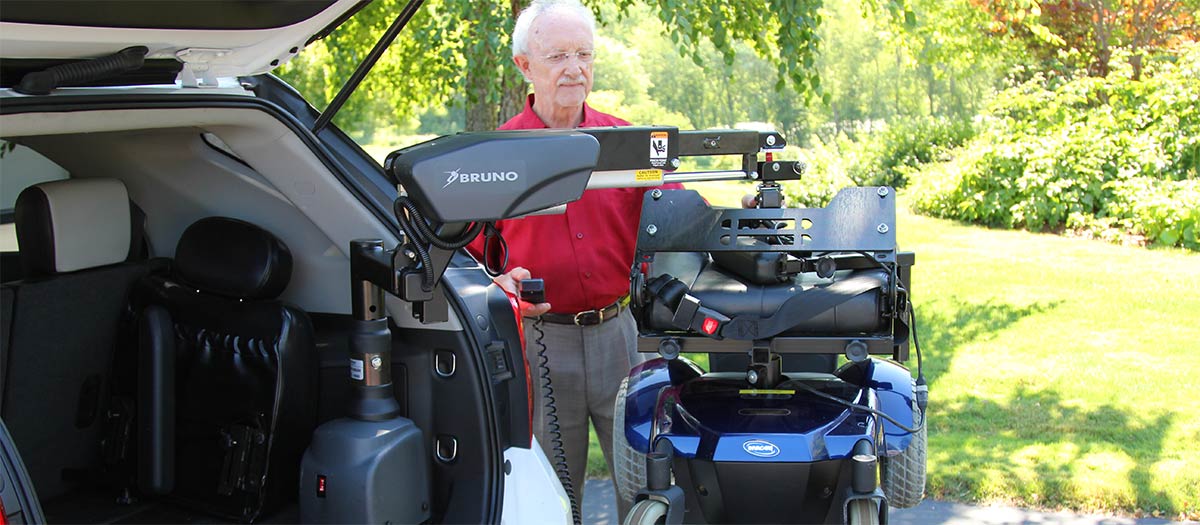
(784, 436)
(774, 432)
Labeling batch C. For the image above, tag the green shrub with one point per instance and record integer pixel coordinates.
(1087, 154)
(907, 143)
(826, 174)
(1167, 212)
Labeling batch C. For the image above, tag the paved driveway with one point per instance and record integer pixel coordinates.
(600, 508)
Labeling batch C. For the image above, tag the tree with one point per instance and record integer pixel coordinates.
(410, 76)
(1159, 23)
(1060, 30)
(462, 46)
(955, 61)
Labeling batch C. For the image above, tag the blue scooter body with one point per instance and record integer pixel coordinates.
(779, 455)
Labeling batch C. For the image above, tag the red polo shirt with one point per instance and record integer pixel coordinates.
(584, 255)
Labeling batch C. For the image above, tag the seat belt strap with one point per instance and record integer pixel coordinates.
(806, 305)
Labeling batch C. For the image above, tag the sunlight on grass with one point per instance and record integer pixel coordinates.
(1060, 367)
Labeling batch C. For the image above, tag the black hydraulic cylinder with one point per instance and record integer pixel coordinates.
(371, 371)
(371, 341)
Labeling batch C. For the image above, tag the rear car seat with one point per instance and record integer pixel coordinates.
(76, 238)
(227, 394)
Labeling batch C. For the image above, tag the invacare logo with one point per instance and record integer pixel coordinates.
(760, 448)
(480, 177)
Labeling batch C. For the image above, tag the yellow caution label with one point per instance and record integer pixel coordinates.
(645, 175)
(765, 392)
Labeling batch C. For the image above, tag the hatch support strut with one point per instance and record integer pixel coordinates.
(348, 88)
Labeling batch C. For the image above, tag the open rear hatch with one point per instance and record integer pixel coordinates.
(194, 41)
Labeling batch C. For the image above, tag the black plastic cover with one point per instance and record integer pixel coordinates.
(735, 491)
(495, 175)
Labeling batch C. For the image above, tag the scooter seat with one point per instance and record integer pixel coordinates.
(734, 296)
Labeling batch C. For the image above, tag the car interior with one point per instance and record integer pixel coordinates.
(176, 306)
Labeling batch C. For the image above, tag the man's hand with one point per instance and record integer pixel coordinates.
(511, 282)
(749, 201)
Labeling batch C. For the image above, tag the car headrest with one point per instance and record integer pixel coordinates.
(70, 225)
(233, 258)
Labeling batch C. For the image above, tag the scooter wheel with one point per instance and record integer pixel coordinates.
(650, 512)
(863, 512)
(629, 465)
(902, 477)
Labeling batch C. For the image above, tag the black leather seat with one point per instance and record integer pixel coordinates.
(239, 367)
(733, 294)
(81, 252)
(735, 291)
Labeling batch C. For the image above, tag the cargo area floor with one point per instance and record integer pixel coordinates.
(96, 506)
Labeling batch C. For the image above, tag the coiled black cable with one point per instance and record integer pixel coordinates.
(422, 236)
(492, 235)
(553, 430)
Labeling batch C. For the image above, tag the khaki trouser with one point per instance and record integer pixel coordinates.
(586, 366)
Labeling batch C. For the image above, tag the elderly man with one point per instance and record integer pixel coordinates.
(584, 255)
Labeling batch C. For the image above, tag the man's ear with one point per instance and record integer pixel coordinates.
(522, 63)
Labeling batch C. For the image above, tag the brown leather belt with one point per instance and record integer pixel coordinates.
(589, 317)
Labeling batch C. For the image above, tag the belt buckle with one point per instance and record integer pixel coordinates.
(581, 315)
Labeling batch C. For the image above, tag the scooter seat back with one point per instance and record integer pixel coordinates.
(733, 295)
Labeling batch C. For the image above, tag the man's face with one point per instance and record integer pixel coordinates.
(564, 83)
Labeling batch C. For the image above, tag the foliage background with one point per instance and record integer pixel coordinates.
(1110, 156)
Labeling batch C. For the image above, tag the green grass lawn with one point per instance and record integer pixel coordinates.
(1063, 373)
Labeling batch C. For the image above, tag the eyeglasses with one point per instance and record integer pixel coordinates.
(555, 59)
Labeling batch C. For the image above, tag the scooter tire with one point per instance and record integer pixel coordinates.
(649, 512)
(863, 512)
(629, 465)
(902, 477)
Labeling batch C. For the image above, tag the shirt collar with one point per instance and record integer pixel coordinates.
(528, 119)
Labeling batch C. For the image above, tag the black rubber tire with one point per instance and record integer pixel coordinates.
(629, 465)
(902, 477)
(863, 512)
(649, 512)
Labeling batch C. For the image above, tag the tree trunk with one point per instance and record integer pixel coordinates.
(494, 98)
(955, 101)
(483, 115)
(512, 100)
(930, 89)
(1102, 35)
(481, 112)
(896, 84)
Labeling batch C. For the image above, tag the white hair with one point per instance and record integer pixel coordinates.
(520, 35)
